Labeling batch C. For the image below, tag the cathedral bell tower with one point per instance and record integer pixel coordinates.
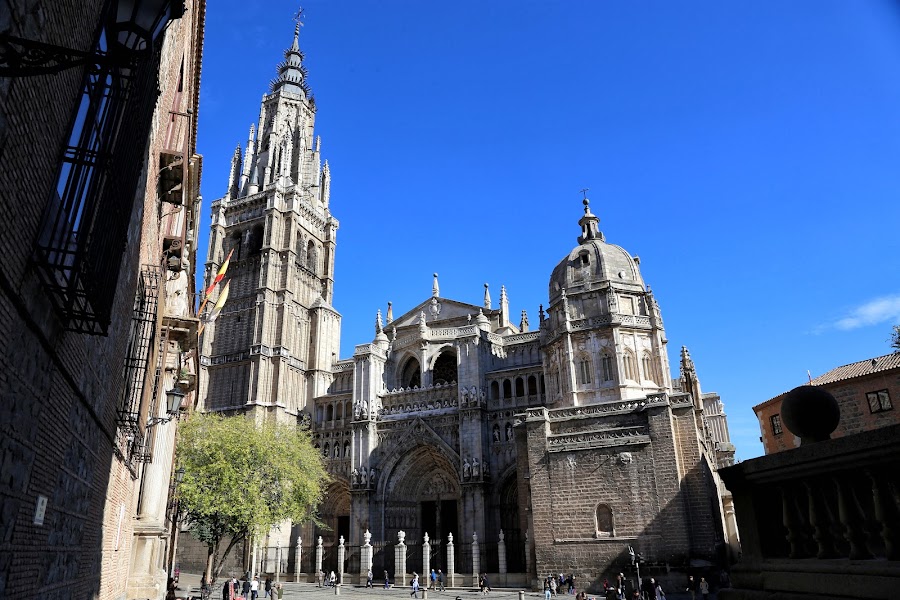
(272, 348)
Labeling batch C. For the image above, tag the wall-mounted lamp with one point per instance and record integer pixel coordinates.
(174, 398)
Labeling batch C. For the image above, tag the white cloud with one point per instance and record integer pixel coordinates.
(873, 312)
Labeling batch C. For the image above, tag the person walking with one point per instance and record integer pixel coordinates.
(254, 588)
(369, 578)
(268, 587)
(279, 592)
(332, 579)
(387, 581)
(485, 584)
(440, 580)
(228, 590)
(414, 584)
(692, 587)
(553, 585)
(704, 588)
(433, 580)
(620, 587)
(546, 589)
(245, 588)
(660, 595)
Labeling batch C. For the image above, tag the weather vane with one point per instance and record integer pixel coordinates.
(584, 192)
(298, 17)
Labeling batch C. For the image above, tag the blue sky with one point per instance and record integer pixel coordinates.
(748, 152)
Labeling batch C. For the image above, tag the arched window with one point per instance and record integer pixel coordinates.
(606, 367)
(543, 387)
(254, 245)
(630, 366)
(507, 389)
(329, 413)
(340, 411)
(444, 370)
(346, 449)
(495, 390)
(520, 387)
(584, 370)
(236, 245)
(301, 246)
(410, 376)
(647, 365)
(532, 386)
(604, 522)
(312, 260)
(319, 414)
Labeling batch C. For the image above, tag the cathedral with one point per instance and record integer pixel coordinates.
(526, 448)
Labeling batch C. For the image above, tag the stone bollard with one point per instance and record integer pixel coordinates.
(521, 595)
(425, 593)
(337, 589)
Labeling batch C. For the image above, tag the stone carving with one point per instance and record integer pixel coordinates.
(509, 432)
(571, 463)
(434, 308)
(615, 407)
(354, 478)
(363, 478)
(401, 537)
(496, 433)
(319, 543)
(467, 469)
(449, 538)
(502, 537)
(625, 458)
(474, 537)
(476, 468)
(425, 538)
(593, 439)
(367, 538)
(422, 326)
(372, 477)
(341, 541)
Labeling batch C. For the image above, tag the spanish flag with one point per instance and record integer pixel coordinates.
(223, 297)
(220, 275)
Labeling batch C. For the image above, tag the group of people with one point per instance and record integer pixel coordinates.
(559, 584)
(328, 581)
(249, 589)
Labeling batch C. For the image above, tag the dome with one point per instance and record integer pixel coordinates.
(594, 261)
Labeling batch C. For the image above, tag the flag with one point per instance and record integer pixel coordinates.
(220, 275)
(219, 304)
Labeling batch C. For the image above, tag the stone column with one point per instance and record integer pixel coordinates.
(319, 552)
(476, 559)
(278, 561)
(501, 553)
(426, 560)
(297, 556)
(341, 551)
(451, 562)
(400, 559)
(365, 556)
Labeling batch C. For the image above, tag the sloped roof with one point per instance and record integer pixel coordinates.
(858, 369)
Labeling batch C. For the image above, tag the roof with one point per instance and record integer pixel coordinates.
(870, 366)
(858, 369)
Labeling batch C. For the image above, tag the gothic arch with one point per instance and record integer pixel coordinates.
(410, 373)
(444, 366)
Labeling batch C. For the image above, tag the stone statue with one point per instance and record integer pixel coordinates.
(341, 541)
(449, 538)
(497, 433)
(401, 537)
(509, 431)
(372, 477)
(502, 536)
(474, 537)
(476, 468)
(320, 540)
(367, 538)
(426, 537)
(467, 469)
(363, 480)
(354, 477)
(363, 409)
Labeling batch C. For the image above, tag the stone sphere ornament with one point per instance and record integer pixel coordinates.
(810, 413)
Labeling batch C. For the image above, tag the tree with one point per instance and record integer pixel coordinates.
(242, 478)
(895, 338)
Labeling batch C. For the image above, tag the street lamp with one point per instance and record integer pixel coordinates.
(179, 475)
(174, 398)
(131, 27)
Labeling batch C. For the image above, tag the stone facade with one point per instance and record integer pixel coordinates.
(866, 392)
(84, 368)
(565, 444)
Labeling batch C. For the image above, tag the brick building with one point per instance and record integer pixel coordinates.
(98, 106)
(866, 392)
(554, 448)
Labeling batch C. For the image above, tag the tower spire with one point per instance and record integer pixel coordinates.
(589, 223)
(487, 297)
(435, 288)
(291, 72)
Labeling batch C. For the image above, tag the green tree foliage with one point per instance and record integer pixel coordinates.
(242, 478)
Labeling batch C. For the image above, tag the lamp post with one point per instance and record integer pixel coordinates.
(131, 27)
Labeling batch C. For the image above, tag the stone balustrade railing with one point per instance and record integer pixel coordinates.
(816, 518)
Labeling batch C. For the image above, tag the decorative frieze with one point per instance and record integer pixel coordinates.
(598, 439)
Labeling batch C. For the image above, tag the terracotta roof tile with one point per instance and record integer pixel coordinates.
(858, 369)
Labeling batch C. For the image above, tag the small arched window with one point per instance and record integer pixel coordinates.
(312, 260)
(584, 370)
(520, 387)
(507, 389)
(532, 386)
(495, 390)
(630, 366)
(604, 521)
(329, 413)
(254, 245)
(319, 414)
(340, 411)
(647, 365)
(606, 367)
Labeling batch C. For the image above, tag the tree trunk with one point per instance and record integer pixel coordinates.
(211, 550)
(220, 560)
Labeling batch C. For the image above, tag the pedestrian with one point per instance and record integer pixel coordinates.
(332, 579)
(692, 587)
(414, 584)
(620, 587)
(485, 584)
(433, 578)
(245, 588)
(387, 581)
(279, 592)
(660, 595)
(369, 578)
(481, 584)
(440, 580)
(268, 586)
(704, 588)
(254, 588)
(553, 585)
(546, 589)
(320, 578)
(228, 590)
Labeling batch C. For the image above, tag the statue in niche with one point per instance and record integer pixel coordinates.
(372, 476)
(476, 468)
(363, 480)
(509, 431)
(496, 433)
(354, 478)
(467, 469)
